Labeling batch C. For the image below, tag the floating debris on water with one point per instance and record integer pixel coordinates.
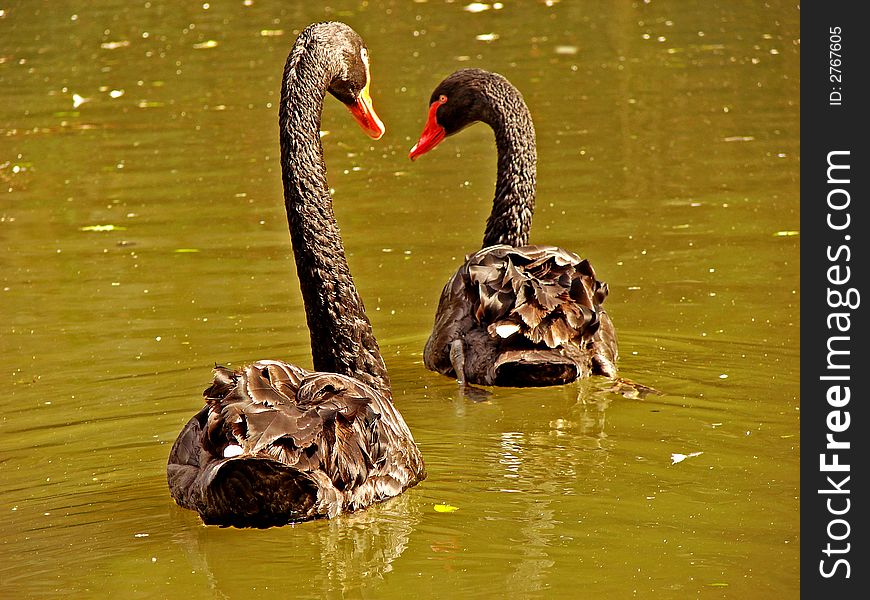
(102, 228)
(271, 32)
(206, 44)
(786, 233)
(677, 457)
(567, 50)
(476, 7)
(114, 45)
(79, 100)
(487, 37)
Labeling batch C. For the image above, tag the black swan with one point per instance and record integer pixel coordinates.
(275, 443)
(514, 314)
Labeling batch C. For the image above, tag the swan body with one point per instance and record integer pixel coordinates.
(519, 317)
(302, 445)
(513, 314)
(276, 443)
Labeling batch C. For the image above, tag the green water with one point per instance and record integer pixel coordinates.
(669, 153)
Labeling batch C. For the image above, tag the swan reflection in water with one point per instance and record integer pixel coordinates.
(563, 453)
(350, 551)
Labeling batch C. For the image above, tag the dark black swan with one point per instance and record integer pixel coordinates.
(275, 443)
(514, 314)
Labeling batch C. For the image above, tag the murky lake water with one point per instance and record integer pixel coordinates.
(668, 142)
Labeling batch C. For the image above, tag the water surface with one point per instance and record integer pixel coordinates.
(143, 239)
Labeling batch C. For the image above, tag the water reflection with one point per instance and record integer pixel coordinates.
(352, 550)
(533, 471)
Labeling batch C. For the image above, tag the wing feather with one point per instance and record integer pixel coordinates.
(340, 435)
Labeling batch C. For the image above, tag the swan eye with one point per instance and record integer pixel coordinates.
(442, 99)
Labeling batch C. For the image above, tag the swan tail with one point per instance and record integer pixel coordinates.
(257, 492)
(534, 368)
(243, 491)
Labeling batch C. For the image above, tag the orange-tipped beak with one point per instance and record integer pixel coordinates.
(432, 134)
(364, 114)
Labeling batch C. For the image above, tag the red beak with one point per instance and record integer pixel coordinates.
(364, 114)
(432, 134)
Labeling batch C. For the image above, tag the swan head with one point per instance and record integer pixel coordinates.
(463, 98)
(352, 83)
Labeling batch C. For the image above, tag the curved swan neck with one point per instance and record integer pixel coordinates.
(514, 201)
(342, 340)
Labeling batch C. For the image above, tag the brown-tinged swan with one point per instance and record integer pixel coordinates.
(514, 314)
(276, 443)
